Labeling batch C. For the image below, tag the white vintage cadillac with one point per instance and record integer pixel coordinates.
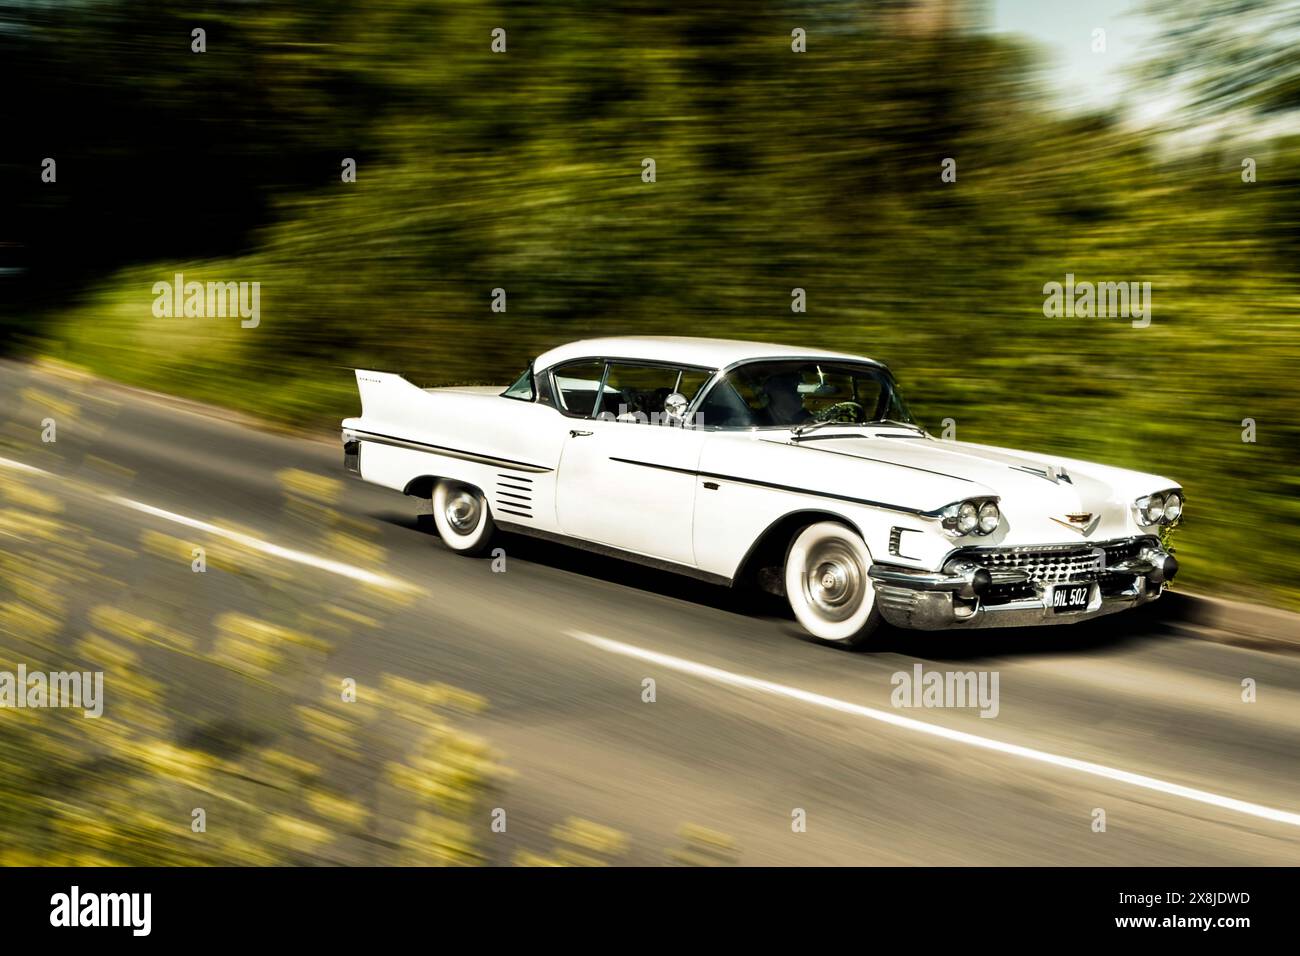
(798, 468)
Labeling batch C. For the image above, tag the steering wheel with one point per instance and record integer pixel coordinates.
(837, 412)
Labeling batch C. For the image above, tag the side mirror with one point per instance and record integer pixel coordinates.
(675, 406)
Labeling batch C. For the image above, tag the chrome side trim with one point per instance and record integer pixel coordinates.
(878, 461)
(901, 509)
(356, 434)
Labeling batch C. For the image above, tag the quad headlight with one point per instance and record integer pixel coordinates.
(973, 516)
(990, 517)
(1152, 508)
(968, 517)
(1164, 507)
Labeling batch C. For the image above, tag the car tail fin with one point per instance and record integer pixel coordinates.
(382, 392)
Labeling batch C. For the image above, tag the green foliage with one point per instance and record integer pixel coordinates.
(775, 170)
(1227, 55)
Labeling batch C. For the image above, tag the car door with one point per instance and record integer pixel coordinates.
(626, 479)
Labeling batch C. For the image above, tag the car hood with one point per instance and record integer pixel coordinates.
(1038, 494)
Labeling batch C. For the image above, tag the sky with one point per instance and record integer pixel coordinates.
(1063, 30)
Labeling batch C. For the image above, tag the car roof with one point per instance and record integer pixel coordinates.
(709, 353)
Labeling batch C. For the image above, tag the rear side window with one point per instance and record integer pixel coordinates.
(577, 386)
(637, 392)
(691, 381)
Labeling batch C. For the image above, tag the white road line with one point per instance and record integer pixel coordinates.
(958, 736)
(19, 466)
(248, 541)
(266, 547)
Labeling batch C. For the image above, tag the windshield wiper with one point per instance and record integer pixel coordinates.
(800, 430)
(891, 421)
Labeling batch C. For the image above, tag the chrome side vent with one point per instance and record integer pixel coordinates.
(896, 542)
(514, 495)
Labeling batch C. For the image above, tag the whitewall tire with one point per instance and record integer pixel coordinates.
(462, 517)
(827, 584)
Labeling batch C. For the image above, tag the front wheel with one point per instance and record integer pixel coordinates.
(462, 517)
(828, 587)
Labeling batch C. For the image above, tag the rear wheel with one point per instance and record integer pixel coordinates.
(462, 517)
(828, 587)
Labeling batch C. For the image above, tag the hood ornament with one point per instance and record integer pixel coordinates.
(1083, 522)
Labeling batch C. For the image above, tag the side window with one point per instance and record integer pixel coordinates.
(692, 381)
(636, 393)
(544, 394)
(577, 386)
(731, 403)
(523, 387)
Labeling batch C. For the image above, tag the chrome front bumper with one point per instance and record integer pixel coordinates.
(1013, 587)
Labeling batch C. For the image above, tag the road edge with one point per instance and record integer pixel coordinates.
(1232, 622)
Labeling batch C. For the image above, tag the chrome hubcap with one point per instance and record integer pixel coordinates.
(834, 582)
(462, 511)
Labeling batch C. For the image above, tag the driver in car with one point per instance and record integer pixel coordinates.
(784, 403)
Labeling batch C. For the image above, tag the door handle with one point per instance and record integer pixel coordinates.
(576, 433)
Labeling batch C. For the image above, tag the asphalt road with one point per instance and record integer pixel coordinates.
(750, 722)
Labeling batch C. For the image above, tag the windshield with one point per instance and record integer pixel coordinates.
(786, 394)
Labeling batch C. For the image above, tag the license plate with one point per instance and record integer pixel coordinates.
(1069, 597)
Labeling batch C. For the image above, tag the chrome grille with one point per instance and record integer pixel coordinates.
(1051, 565)
(1117, 551)
(1061, 563)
